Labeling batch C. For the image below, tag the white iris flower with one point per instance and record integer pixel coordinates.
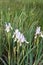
(8, 27)
(38, 32)
(19, 37)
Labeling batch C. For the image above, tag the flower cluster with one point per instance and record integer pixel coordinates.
(38, 32)
(8, 27)
(19, 37)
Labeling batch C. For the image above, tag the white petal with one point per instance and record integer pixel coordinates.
(38, 30)
(16, 31)
(26, 41)
(41, 35)
(22, 38)
(18, 35)
(7, 29)
(35, 36)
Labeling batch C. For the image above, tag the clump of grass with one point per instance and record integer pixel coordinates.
(11, 53)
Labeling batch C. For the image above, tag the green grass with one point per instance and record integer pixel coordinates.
(25, 15)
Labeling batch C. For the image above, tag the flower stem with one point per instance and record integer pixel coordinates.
(9, 54)
(9, 49)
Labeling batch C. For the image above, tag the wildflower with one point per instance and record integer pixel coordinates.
(38, 32)
(19, 37)
(8, 27)
(16, 35)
